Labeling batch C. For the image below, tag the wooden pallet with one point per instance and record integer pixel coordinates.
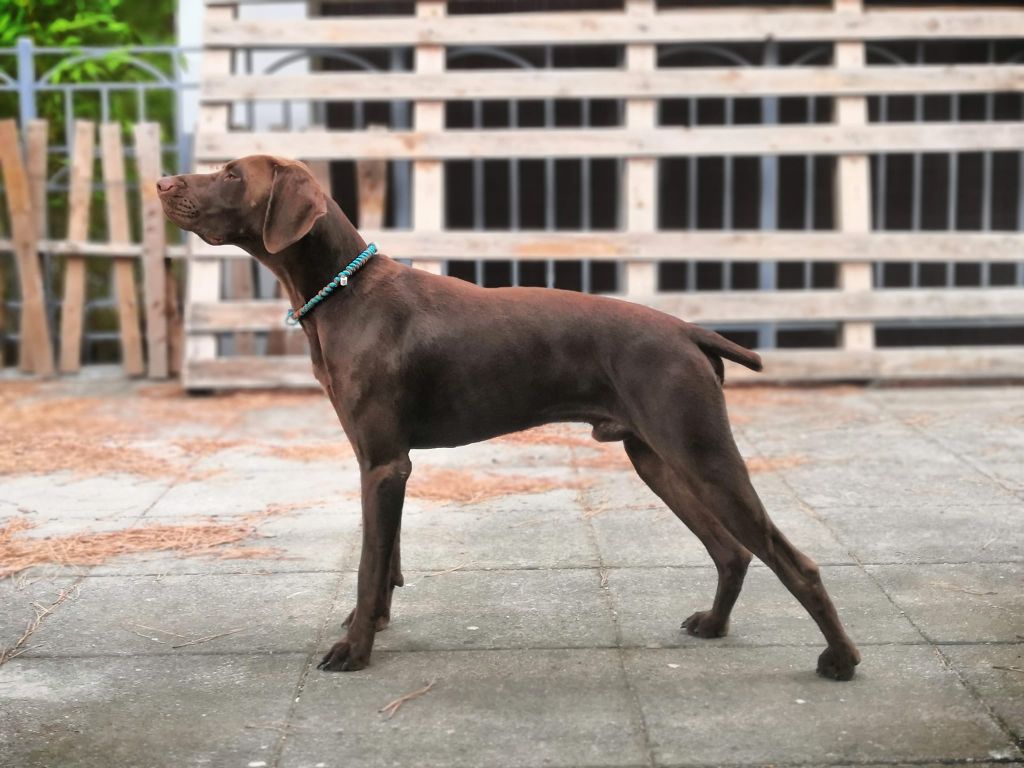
(856, 305)
(25, 182)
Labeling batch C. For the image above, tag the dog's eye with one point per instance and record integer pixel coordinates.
(230, 176)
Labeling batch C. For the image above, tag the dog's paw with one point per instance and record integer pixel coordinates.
(705, 624)
(838, 663)
(342, 658)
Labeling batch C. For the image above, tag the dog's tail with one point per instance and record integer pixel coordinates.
(716, 347)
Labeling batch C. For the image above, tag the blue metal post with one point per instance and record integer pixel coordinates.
(26, 82)
(768, 219)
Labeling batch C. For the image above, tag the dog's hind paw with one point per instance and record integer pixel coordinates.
(705, 624)
(838, 663)
(341, 658)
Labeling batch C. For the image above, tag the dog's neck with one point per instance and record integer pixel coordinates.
(308, 265)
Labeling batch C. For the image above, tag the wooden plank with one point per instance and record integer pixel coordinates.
(725, 307)
(154, 241)
(119, 231)
(669, 26)
(80, 201)
(666, 245)
(36, 352)
(36, 144)
(641, 172)
(372, 179)
(175, 324)
(853, 187)
(920, 363)
(204, 275)
(433, 144)
(428, 116)
(613, 83)
(749, 245)
(913, 364)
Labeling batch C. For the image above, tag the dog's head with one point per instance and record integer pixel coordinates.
(260, 203)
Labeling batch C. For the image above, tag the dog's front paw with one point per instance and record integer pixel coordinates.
(343, 658)
(838, 663)
(705, 624)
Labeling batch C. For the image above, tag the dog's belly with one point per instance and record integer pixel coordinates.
(465, 402)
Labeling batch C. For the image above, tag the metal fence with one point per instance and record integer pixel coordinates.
(34, 82)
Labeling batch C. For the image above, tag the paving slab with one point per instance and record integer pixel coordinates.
(491, 609)
(152, 711)
(63, 496)
(973, 602)
(652, 602)
(705, 706)
(996, 673)
(655, 536)
(146, 615)
(528, 708)
(252, 492)
(929, 531)
(541, 536)
(314, 539)
(876, 482)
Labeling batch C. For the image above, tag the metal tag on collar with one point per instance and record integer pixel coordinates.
(343, 280)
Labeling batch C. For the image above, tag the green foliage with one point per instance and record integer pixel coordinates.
(70, 23)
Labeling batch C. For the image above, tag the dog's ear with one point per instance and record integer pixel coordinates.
(296, 202)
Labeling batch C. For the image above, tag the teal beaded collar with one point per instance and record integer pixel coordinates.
(340, 280)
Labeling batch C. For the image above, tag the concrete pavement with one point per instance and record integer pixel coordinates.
(544, 605)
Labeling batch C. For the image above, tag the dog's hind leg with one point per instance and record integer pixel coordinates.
(719, 478)
(730, 557)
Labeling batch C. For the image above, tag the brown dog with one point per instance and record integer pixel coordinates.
(415, 360)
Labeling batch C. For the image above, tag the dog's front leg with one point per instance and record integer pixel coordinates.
(383, 486)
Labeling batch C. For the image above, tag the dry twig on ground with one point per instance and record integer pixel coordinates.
(19, 647)
(392, 707)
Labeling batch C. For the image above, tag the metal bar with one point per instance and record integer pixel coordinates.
(26, 82)
(768, 215)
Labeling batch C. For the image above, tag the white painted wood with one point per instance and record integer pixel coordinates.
(618, 142)
(748, 245)
(428, 174)
(722, 307)
(641, 182)
(853, 186)
(924, 363)
(203, 282)
(609, 83)
(614, 27)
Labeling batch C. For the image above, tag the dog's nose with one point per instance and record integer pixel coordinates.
(167, 183)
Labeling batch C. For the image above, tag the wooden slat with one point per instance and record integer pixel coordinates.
(622, 246)
(73, 307)
(914, 364)
(36, 352)
(610, 27)
(611, 83)
(641, 182)
(154, 241)
(853, 186)
(119, 231)
(204, 276)
(725, 307)
(617, 142)
(428, 173)
(697, 245)
(921, 363)
(36, 144)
